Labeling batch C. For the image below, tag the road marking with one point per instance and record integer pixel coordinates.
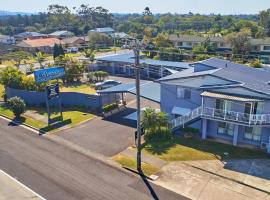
(26, 127)
(21, 184)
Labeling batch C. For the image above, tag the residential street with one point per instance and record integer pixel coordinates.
(56, 172)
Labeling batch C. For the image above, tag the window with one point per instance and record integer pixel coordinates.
(225, 128)
(189, 44)
(180, 44)
(183, 93)
(252, 133)
(221, 44)
(266, 48)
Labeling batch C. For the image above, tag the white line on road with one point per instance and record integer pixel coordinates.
(21, 184)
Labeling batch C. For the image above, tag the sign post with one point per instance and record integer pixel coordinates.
(51, 91)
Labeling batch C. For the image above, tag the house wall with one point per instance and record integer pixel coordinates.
(212, 131)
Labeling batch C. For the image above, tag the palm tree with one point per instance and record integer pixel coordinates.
(40, 58)
(149, 119)
(162, 120)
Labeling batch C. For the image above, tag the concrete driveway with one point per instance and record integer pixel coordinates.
(107, 136)
(212, 180)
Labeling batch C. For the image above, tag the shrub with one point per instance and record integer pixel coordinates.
(256, 63)
(17, 105)
(110, 107)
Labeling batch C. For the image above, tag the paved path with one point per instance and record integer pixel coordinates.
(211, 180)
(12, 189)
(57, 172)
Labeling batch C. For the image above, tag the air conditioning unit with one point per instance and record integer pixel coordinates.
(264, 145)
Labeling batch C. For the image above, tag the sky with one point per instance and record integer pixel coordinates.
(137, 6)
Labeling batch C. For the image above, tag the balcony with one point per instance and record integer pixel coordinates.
(221, 115)
(238, 117)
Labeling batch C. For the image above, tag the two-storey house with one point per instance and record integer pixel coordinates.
(226, 101)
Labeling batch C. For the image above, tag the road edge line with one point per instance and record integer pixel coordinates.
(21, 184)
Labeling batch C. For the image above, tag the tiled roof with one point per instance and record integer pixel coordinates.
(187, 38)
(72, 40)
(40, 42)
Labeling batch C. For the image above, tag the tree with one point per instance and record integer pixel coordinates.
(73, 68)
(149, 119)
(256, 63)
(60, 17)
(17, 105)
(40, 57)
(99, 40)
(239, 41)
(264, 21)
(11, 77)
(58, 51)
(86, 14)
(17, 56)
(162, 41)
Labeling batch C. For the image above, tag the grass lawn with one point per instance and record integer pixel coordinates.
(182, 149)
(81, 88)
(71, 117)
(130, 163)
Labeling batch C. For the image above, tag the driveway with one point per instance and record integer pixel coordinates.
(211, 180)
(107, 136)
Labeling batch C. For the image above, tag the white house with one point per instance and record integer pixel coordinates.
(8, 40)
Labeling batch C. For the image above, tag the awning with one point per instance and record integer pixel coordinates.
(228, 97)
(180, 111)
(149, 90)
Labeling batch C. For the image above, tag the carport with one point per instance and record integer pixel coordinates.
(148, 89)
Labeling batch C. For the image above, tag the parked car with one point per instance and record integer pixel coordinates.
(72, 50)
(106, 84)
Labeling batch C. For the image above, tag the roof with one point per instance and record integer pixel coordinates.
(120, 35)
(180, 111)
(4, 37)
(42, 42)
(237, 75)
(30, 34)
(129, 59)
(72, 40)
(103, 30)
(228, 97)
(262, 41)
(186, 38)
(149, 90)
(61, 33)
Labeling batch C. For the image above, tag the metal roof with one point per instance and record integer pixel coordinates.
(129, 59)
(247, 77)
(228, 97)
(180, 111)
(149, 90)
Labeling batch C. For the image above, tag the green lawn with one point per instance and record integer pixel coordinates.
(130, 163)
(81, 88)
(182, 149)
(71, 117)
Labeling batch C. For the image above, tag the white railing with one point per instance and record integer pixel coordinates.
(249, 119)
(181, 121)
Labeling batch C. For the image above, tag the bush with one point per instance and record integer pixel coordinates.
(110, 107)
(256, 63)
(17, 105)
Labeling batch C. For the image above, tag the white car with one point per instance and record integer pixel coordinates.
(106, 84)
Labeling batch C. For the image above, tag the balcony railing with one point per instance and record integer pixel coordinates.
(229, 116)
(250, 119)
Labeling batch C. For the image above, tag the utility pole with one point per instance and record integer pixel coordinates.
(136, 49)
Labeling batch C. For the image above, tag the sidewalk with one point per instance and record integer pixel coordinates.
(12, 189)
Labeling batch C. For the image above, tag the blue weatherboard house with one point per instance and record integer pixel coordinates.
(225, 101)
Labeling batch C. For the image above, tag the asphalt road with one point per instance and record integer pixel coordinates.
(57, 172)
